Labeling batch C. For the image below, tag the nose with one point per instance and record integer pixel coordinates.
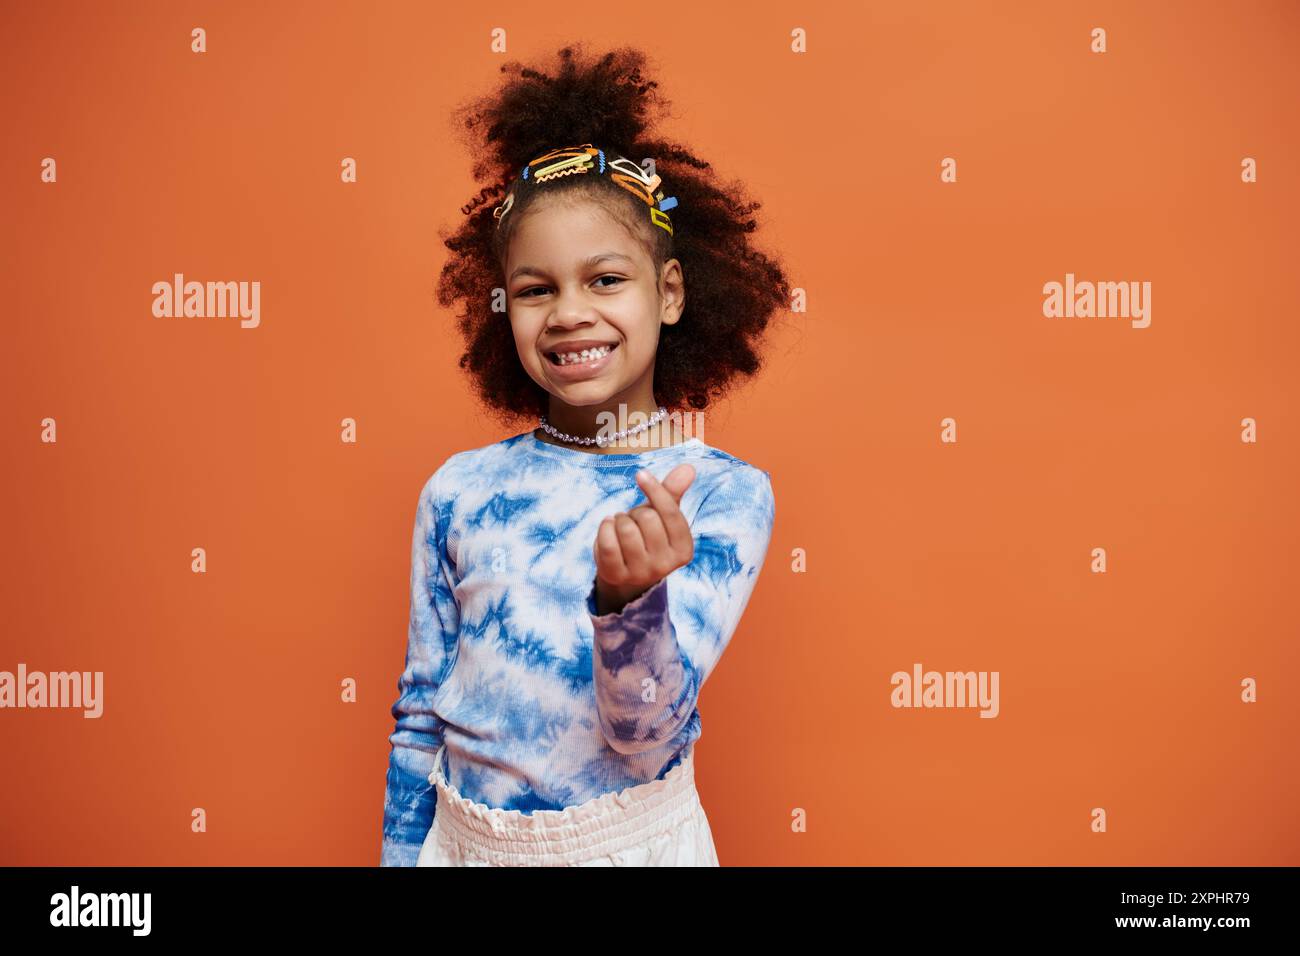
(573, 307)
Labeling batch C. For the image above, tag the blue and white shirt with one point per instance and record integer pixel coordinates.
(542, 703)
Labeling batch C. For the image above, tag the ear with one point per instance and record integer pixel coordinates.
(672, 285)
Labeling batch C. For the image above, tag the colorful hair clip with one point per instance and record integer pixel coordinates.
(577, 160)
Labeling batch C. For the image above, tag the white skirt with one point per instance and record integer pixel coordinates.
(659, 823)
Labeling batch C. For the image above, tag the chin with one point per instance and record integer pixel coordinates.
(581, 394)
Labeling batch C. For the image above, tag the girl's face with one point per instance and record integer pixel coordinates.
(576, 279)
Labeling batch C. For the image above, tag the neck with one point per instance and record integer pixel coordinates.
(586, 421)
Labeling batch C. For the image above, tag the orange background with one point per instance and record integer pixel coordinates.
(1118, 690)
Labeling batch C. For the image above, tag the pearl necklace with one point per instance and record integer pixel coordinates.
(601, 441)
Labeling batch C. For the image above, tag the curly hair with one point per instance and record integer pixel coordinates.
(733, 289)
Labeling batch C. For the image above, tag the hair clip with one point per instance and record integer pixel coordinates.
(575, 160)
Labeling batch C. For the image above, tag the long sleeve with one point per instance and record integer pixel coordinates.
(410, 800)
(652, 657)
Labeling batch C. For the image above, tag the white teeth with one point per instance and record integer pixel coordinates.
(586, 355)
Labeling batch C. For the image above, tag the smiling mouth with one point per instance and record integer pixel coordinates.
(584, 357)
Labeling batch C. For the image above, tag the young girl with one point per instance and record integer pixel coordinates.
(573, 586)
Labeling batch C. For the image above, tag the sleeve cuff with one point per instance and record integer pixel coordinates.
(651, 601)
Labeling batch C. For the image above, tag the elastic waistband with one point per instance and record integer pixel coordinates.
(601, 825)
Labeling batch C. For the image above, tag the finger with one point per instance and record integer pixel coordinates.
(676, 527)
(655, 536)
(634, 554)
(609, 553)
(679, 479)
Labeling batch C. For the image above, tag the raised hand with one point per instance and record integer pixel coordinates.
(636, 549)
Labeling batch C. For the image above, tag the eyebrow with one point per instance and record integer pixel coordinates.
(586, 264)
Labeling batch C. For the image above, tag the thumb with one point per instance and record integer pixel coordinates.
(678, 480)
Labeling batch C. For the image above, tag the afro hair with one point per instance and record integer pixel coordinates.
(733, 289)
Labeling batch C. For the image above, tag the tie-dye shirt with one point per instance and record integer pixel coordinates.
(541, 702)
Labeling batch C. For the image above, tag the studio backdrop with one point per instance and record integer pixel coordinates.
(1030, 419)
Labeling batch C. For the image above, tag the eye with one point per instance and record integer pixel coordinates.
(526, 293)
(615, 278)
